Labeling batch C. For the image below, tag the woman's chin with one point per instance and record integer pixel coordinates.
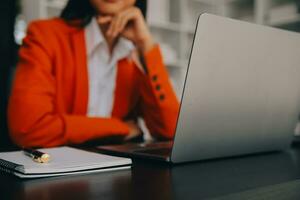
(109, 11)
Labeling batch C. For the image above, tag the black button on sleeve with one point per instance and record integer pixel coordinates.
(157, 87)
(162, 97)
(154, 77)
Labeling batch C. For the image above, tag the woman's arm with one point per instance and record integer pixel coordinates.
(34, 119)
(159, 105)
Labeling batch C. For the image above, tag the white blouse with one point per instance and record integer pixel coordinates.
(102, 69)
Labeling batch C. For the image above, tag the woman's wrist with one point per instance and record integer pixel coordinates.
(145, 45)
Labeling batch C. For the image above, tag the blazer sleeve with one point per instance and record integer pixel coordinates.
(32, 112)
(159, 105)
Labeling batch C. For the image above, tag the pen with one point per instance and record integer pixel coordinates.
(36, 155)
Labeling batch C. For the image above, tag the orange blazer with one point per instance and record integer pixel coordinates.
(48, 103)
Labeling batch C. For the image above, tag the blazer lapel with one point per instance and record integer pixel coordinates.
(81, 75)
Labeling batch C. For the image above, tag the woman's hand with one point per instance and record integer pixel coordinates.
(130, 24)
(134, 130)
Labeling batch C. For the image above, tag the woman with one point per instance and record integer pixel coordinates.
(88, 75)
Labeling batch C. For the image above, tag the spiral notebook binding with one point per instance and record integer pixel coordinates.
(7, 166)
(6, 170)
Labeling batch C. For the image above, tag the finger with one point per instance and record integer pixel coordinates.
(128, 34)
(120, 21)
(115, 28)
(123, 22)
(124, 18)
(120, 24)
(111, 27)
(135, 132)
(104, 19)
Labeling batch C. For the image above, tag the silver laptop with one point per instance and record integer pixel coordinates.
(241, 94)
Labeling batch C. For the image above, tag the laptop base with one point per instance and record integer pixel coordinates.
(159, 151)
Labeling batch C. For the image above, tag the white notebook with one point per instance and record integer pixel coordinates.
(64, 161)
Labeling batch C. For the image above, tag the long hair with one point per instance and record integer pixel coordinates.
(81, 11)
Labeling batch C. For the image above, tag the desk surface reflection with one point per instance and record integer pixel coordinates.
(148, 180)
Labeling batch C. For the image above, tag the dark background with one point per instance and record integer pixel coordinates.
(8, 49)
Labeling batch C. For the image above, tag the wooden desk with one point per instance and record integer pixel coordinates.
(154, 181)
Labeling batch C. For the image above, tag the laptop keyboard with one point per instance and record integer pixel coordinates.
(165, 152)
(156, 145)
(155, 148)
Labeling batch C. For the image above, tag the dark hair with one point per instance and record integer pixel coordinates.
(81, 11)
